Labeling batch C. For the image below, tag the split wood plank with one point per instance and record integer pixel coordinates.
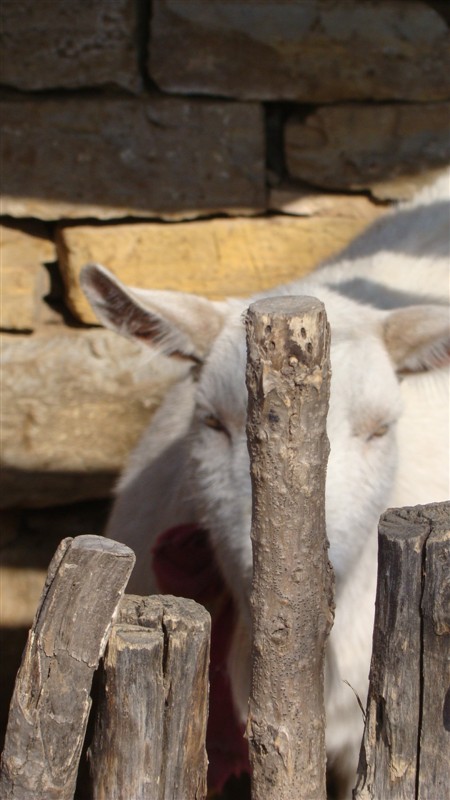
(405, 754)
(51, 701)
(150, 720)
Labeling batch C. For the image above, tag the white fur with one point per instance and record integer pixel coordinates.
(389, 439)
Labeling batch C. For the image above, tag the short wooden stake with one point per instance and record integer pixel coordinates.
(51, 702)
(405, 753)
(292, 606)
(151, 715)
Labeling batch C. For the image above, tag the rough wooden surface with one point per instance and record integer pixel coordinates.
(434, 745)
(288, 383)
(51, 702)
(405, 753)
(149, 738)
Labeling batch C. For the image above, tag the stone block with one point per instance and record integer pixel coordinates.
(309, 51)
(55, 44)
(385, 148)
(215, 258)
(291, 198)
(93, 156)
(73, 404)
(24, 278)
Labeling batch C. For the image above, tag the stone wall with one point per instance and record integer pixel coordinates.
(212, 146)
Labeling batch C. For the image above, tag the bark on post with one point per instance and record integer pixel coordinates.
(150, 727)
(405, 754)
(292, 605)
(51, 702)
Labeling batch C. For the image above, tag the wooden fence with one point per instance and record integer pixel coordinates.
(150, 655)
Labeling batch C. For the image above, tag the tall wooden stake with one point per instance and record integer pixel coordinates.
(292, 606)
(405, 753)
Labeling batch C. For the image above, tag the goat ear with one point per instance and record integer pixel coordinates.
(174, 323)
(418, 337)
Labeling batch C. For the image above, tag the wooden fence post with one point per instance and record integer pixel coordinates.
(292, 606)
(51, 702)
(150, 721)
(405, 754)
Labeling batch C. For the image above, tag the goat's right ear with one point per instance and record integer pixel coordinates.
(174, 323)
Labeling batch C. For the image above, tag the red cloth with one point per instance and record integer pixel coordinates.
(184, 565)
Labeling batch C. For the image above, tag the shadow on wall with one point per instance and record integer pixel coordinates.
(12, 643)
(402, 229)
(99, 156)
(30, 538)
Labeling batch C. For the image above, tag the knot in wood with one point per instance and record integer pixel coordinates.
(280, 630)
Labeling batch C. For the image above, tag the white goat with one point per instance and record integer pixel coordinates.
(387, 300)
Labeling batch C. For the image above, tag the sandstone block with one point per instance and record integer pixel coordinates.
(24, 279)
(113, 157)
(378, 147)
(290, 198)
(215, 258)
(73, 404)
(313, 51)
(55, 44)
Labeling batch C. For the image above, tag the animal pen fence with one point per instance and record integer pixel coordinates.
(148, 723)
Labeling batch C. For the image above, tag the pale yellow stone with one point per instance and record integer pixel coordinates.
(310, 203)
(49, 209)
(215, 258)
(404, 187)
(24, 280)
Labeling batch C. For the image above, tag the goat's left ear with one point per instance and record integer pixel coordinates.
(418, 337)
(174, 323)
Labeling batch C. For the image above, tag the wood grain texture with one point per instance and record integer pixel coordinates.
(149, 737)
(405, 753)
(51, 700)
(288, 383)
(434, 746)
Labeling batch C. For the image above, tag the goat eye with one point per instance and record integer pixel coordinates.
(214, 422)
(379, 432)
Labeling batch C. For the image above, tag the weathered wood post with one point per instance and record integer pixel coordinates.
(405, 753)
(292, 605)
(151, 714)
(51, 701)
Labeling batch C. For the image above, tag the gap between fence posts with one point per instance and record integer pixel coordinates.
(292, 594)
(405, 753)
